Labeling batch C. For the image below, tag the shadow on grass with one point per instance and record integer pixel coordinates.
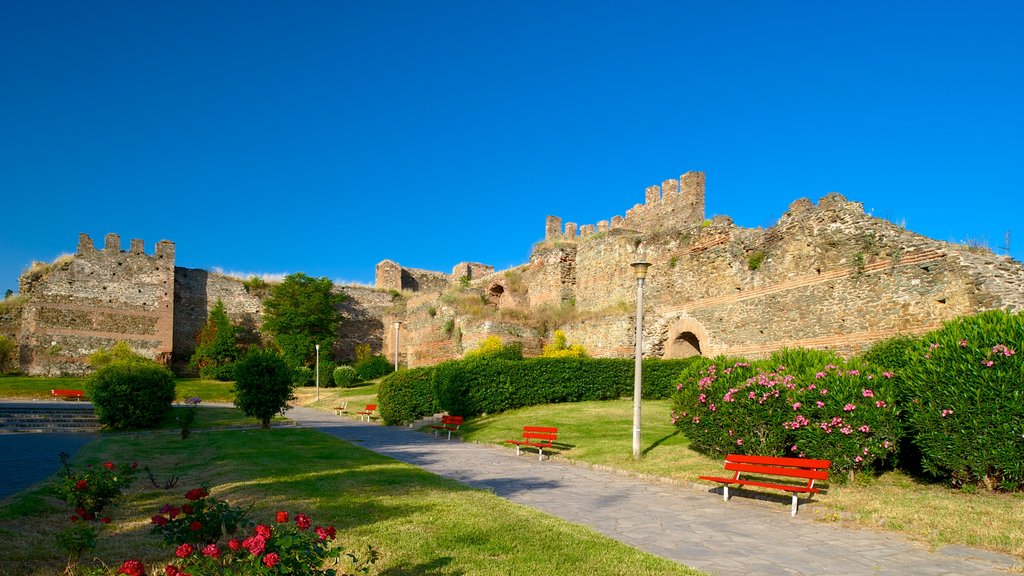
(431, 568)
(659, 441)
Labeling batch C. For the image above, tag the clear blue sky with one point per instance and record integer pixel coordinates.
(323, 137)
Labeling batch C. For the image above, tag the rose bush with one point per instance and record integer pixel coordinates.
(199, 520)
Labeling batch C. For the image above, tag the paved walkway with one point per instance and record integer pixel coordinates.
(691, 526)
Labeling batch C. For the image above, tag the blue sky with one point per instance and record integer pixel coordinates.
(323, 137)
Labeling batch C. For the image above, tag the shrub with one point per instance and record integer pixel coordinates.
(407, 395)
(373, 367)
(200, 520)
(303, 376)
(362, 352)
(755, 260)
(327, 369)
(966, 385)
(344, 376)
(119, 352)
(221, 372)
(492, 347)
(263, 385)
(7, 354)
(135, 394)
(560, 348)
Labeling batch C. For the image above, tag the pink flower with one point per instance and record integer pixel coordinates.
(303, 522)
(853, 372)
(880, 404)
(946, 412)
(321, 532)
(739, 442)
(934, 346)
(865, 429)
(1003, 349)
(255, 545)
(824, 391)
(796, 406)
(820, 404)
(849, 408)
(271, 560)
(184, 551)
(867, 393)
(211, 550)
(886, 444)
(846, 430)
(963, 343)
(712, 407)
(702, 398)
(696, 419)
(263, 531)
(987, 363)
(821, 375)
(858, 459)
(887, 374)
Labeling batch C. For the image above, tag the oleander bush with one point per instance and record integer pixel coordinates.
(131, 394)
(966, 413)
(406, 395)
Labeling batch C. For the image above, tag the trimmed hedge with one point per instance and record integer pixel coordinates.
(373, 367)
(406, 395)
(489, 384)
(131, 394)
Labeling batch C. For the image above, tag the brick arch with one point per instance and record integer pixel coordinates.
(686, 337)
(495, 292)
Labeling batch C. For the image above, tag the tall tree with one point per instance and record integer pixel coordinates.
(216, 345)
(301, 312)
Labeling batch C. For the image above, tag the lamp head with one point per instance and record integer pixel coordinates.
(640, 269)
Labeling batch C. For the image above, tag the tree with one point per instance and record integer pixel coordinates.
(131, 393)
(301, 312)
(216, 345)
(263, 385)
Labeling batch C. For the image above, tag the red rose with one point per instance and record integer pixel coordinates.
(263, 531)
(196, 494)
(171, 570)
(81, 485)
(331, 532)
(135, 465)
(105, 519)
(184, 551)
(132, 568)
(303, 522)
(110, 466)
(255, 545)
(234, 544)
(271, 560)
(321, 532)
(195, 526)
(80, 511)
(187, 508)
(211, 550)
(158, 520)
(282, 517)
(89, 516)
(173, 513)
(74, 518)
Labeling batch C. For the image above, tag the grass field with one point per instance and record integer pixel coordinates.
(422, 524)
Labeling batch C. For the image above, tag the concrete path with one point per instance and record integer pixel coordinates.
(691, 526)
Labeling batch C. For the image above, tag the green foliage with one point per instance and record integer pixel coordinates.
(344, 376)
(256, 286)
(263, 385)
(8, 349)
(755, 260)
(301, 312)
(407, 395)
(449, 326)
(559, 348)
(131, 394)
(858, 262)
(88, 492)
(216, 346)
(432, 311)
(119, 352)
(373, 367)
(200, 520)
(362, 352)
(491, 347)
(303, 376)
(966, 411)
(815, 406)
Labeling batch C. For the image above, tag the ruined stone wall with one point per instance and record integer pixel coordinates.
(363, 316)
(196, 292)
(94, 299)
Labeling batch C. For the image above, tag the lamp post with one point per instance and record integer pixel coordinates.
(318, 372)
(396, 344)
(640, 270)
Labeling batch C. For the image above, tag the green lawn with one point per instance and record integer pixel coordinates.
(422, 523)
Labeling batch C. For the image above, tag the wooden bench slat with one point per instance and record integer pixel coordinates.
(777, 471)
(786, 487)
(548, 434)
(779, 461)
(806, 469)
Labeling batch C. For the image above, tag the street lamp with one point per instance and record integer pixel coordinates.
(318, 372)
(396, 344)
(640, 269)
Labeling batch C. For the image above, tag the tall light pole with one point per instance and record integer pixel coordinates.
(318, 372)
(640, 269)
(396, 344)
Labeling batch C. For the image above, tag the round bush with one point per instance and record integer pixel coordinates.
(128, 395)
(263, 385)
(373, 367)
(966, 413)
(407, 395)
(344, 376)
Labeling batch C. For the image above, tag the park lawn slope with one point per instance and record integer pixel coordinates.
(420, 522)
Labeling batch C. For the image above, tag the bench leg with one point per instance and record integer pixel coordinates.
(725, 492)
(517, 449)
(449, 434)
(540, 454)
(794, 505)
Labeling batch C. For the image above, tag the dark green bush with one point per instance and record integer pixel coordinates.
(344, 376)
(222, 372)
(132, 394)
(263, 385)
(302, 376)
(327, 368)
(373, 367)
(407, 395)
(966, 413)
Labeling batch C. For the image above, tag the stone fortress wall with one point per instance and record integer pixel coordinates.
(826, 275)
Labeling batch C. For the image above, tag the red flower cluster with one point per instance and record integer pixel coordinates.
(132, 568)
(197, 494)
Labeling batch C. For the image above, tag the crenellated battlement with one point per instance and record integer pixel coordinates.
(112, 245)
(673, 203)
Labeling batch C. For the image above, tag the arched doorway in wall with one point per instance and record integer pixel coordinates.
(494, 294)
(686, 338)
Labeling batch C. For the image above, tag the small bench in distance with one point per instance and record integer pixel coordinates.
(449, 423)
(539, 437)
(786, 468)
(369, 412)
(68, 394)
(339, 410)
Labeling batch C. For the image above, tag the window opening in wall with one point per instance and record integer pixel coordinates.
(494, 294)
(684, 345)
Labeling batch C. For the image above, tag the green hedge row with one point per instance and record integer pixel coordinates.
(489, 384)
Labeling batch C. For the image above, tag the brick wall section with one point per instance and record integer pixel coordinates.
(95, 299)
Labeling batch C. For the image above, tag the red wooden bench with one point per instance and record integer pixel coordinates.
(369, 412)
(68, 394)
(539, 437)
(449, 423)
(788, 468)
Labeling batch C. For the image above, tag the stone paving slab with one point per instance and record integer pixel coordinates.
(691, 526)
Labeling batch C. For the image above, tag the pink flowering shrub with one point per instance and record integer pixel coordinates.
(965, 408)
(796, 403)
